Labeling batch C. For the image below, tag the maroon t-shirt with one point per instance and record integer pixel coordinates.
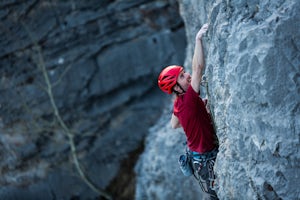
(196, 122)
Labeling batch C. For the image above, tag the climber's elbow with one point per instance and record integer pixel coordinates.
(174, 126)
(175, 122)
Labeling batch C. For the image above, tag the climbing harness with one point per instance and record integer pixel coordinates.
(200, 166)
(203, 166)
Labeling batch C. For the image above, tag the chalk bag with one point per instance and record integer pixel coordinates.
(185, 166)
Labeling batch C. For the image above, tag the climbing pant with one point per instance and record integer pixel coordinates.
(203, 167)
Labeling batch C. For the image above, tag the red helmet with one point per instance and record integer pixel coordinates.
(168, 78)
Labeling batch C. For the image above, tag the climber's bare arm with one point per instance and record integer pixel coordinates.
(198, 59)
(175, 122)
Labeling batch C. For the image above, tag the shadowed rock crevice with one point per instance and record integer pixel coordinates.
(123, 186)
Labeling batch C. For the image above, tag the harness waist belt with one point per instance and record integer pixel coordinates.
(205, 156)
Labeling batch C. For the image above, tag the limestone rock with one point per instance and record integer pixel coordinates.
(252, 66)
(102, 59)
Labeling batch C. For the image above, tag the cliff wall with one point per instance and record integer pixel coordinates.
(102, 59)
(252, 68)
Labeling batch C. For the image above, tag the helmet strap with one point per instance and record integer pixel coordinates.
(179, 93)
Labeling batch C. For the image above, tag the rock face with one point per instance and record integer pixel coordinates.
(102, 59)
(253, 69)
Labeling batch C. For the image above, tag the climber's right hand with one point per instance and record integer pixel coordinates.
(202, 31)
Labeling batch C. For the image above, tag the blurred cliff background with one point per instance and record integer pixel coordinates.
(82, 117)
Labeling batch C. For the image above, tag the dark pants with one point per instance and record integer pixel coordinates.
(204, 173)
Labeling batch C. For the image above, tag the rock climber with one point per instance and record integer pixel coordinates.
(190, 112)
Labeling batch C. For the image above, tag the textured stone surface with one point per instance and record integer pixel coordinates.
(252, 51)
(255, 93)
(102, 58)
(253, 59)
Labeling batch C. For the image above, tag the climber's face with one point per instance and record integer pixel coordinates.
(184, 80)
